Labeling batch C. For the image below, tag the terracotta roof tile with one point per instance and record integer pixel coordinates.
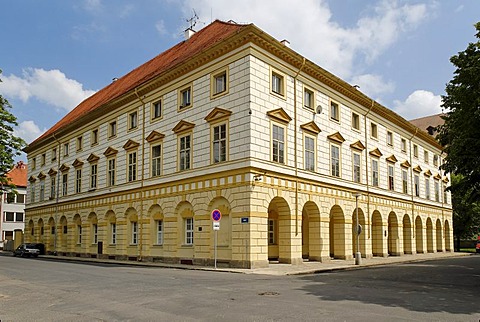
(424, 122)
(18, 174)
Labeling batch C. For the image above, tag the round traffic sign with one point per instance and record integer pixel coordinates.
(216, 215)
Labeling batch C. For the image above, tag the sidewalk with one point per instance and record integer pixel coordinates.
(273, 269)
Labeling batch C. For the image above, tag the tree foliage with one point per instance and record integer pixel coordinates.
(10, 145)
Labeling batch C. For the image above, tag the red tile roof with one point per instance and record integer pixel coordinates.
(18, 175)
(423, 123)
(180, 53)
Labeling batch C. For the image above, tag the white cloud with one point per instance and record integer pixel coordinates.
(49, 86)
(373, 85)
(28, 131)
(418, 104)
(93, 5)
(160, 26)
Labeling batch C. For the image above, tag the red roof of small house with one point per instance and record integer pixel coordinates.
(18, 175)
(178, 54)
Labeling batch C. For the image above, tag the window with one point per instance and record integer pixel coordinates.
(79, 234)
(34, 163)
(113, 229)
(132, 166)
(65, 229)
(271, 232)
(425, 156)
(391, 178)
(94, 233)
(220, 143)
(355, 121)
(356, 168)
(93, 176)
(375, 173)
(112, 129)
(415, 151)
(416, 179)
(277, 83)
(44, 157)
(437, 190)
(309, 153)
(79, 143)
(132, 120)
(389, 138)
(308, 99)
(19, 216)
(157, 109)
(42, 189)
(185, 98)
(219, 83)
(403, 143)
(64, 184)
(78, 181)
(134, 232)
(9, 216)
(427, 188)
(94, 137)
(52, 187)
(278, 144)
(189, 231)
(54, 154)
(335, 160)
(404, 181)
(111, 173)
(20, 198)
(156, 160)
(159, 225)
(334, 111)
(435, 160)
(32, 192)
(53, 230)
(444, 193)
(66, 148)
(373, 130)
(185, 152)
(10, 197)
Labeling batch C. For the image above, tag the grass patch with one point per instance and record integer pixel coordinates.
(467, 250)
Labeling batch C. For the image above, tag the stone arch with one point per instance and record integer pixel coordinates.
(185, 229)
(439, 236)
(51, 235)
(393, 238)
(447, 236)
(430, 245)
(78, 236)
(419, 235)
(407, 235)
(363, 235)
(112, 231)
(133, 226)
(377, 234)
(63, 233)
(93, 229)
(279, 230)
(311, 232)
(157, 224)
(224, 234)
(41, 231)
(338, 234)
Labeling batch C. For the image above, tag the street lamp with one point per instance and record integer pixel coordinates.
(358, 255)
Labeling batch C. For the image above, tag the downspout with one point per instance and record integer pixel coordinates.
(57, 195)
(295, 139)
(140, 226)
(412, 185)
(366, 164)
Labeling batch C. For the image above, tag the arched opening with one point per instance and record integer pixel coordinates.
(112, 231)
(407, 235)
(311, 236)
(430, 247)
(63, 234)
(419, 235)
(377, 234)
(393, 240)
(41, 231)
(224, 234)
(133, 232)
(51, 235)
(185, 230)
(439, 237)
(279, 231)
(337, 230)
(92, 239)
(78, 236)
(447, 237)
(363, 234)
(30, 233)
(157, 225)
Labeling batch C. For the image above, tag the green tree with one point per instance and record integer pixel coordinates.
(10, 145)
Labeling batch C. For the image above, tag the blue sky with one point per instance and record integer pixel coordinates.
(55, 53)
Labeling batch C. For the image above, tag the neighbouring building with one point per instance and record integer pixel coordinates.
(429, 123)
(12, 203)
(234, 120)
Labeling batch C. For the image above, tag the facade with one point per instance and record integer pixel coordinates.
(12, 205)
(234, 120)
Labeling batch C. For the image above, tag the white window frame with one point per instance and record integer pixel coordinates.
(112, 129)
(335, 163)
(113, 231)
(375, 173)
(355, 121)
(389, 138)
(64, 184)
(310, 152)
(403, 145)
(391, 177)
(157, 109)
(373, 130)
(185, 143)
(308, 98)
(334, 111)
(134, 231)
(159, 230)
(272, 228)
(93, 176)
(277, 83)
(53, 186)
(94, 233)
(185, 97)
(156, 160)
(42, 189)
(78, 180)
(357, 167)
(416, 180)
(132, 120)
(219, 83)
(404, 181)
(415, 151)
(427, 188)
(132, 161)
(111, 172)
(219, 142)
(189, 230)
(436, 185)
(278, 143)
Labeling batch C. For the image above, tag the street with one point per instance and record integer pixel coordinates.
(41, 290)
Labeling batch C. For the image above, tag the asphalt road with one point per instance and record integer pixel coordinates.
(40, 290)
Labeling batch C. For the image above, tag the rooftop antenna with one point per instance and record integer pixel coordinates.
(193, 21)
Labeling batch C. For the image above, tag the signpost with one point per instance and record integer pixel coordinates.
(216, 216)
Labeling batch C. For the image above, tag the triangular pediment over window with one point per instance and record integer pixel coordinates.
(279, 115)
(392, 159)
(405, 164)
(52, 172)
(183, 126)
(218, 114)
(357, 146)
(336, 137)
(438, 177)
(445, 179)
(110, 151)
(311, 127)
(32, 179)
(130, 144)
(64, 167)
(428, 173)
(417, 169)
(93, 157)
(41, 175)
(155, 136)
(376, 153)
(77, 163)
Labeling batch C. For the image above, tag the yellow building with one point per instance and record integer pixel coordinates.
(234, 120)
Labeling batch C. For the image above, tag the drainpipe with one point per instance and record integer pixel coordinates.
(295, 139)
(140, 226)
(57, 195)
(412, 187)
(366, 164)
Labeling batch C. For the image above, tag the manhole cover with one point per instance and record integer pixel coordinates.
(269, 293)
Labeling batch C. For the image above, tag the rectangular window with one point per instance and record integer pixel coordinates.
(277, 83)
(156, 160)
(113, 229)
(34, 163)
(437, 190)
(309, 153)
(278, 144)
(444, 193)
(159, 224)
(271, 232)
(10, 197)
(79, 143)
(335, 160)
(134, 232)
(19, 216)
(391, 178)
(375, 177)
(52, 187)
(427, 188)
(220, 83)
(111, 172)
(185, 97)
(435, 160)
(356, 168)
(93, 176)
(94, 233)
(334, 111)
(220, 143)
(65, 230)
(373, 130)
(44, 158)
(54, 154)
(112, 129)
(79, 234)
(389, 138)
(404, 181)
(189, 231)
(20, 198)
(404, 145)
(132, 120)
(132, 166)
(355, 121)
(157, 109)
(416, 179)
(308, 101)
(53, 230)
(9, 216)
(94, 137)
(415, 151)
(42, 190)
(32, 192)
(425, 156)
(66, 148)
(185, 152)
(78, 181)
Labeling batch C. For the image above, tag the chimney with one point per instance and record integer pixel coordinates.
(286, 43)
(189, 33)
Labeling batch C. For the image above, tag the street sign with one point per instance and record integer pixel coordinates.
(244, 220)
(216, 225)
(216, 215)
